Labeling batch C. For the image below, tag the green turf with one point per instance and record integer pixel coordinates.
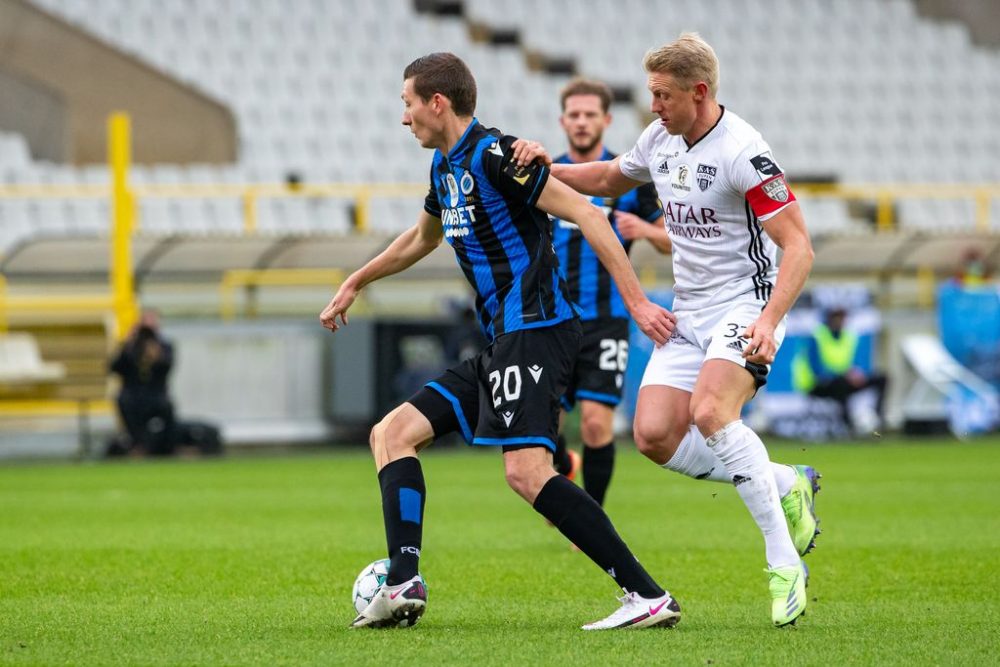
(251, 561)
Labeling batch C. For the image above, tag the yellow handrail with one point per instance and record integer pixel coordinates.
(237, 278)
(53, 407)
(884, 195)
(89, 303)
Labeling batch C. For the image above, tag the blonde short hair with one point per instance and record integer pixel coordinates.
(689, 59)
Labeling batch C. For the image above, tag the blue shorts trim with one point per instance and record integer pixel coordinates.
(456, 405)
(528, 440)
(607, 399)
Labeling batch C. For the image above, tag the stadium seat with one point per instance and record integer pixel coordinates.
(88, 215)
(21, 362)
(13, 150)
(316, 88)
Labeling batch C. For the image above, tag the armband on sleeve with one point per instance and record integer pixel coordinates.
(770, 197)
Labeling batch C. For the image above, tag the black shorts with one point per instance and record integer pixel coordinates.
(599, 372)
(509, 393)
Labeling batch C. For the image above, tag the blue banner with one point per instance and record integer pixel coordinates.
(969, 321)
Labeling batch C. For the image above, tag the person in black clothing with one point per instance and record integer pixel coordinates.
(144, 362)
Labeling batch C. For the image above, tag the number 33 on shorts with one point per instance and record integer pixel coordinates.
(727, 336)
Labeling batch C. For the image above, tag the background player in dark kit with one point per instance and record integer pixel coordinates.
(597, 377)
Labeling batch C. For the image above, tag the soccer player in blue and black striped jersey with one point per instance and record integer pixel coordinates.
(493, 214)
(596, 380)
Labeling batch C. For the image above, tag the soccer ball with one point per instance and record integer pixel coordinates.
(368, 583)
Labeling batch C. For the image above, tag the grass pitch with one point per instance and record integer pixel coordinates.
(251, 561)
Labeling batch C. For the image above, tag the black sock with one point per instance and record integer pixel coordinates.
(403, 494)
(585, 524)
(598, 464)
(560, 458)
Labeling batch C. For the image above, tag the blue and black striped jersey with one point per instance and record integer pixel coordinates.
(590, 285)
(503, 243)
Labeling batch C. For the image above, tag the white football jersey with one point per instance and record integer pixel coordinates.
(715, 195)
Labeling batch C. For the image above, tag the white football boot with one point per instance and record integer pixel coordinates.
(640, 612)
(395, 606)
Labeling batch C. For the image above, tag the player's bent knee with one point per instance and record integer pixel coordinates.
(595, 431)
(710, 416)
(395, 436)
(526, 479)
(376, 439)
(658, 442)
(517, 480)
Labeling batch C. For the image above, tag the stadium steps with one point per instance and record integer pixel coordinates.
(82, 348)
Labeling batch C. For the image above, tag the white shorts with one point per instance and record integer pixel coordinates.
(707, 333)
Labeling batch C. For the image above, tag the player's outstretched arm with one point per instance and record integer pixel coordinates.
(602, 178)
(559, 200)
(788, 231)
(406, 250)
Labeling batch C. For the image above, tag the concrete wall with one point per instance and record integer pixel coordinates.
(38, 112)
(981, 16)
(263, 382)
(171, 122)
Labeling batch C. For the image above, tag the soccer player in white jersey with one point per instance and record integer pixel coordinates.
(727, 208)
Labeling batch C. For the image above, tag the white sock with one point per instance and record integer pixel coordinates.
(696, 459)
(745, 458)
(784, 478)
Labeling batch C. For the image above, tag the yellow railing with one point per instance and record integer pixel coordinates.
(252, 278)
(250, 195)
(125, 220)
(50, 303)
(887, 196)
(54, 407)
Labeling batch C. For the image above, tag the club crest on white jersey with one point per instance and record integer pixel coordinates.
(716, 194)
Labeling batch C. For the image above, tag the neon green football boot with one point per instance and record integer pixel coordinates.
(788, 594)
(799, 505)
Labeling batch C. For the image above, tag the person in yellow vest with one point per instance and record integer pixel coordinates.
(831, 364)
(974, 271)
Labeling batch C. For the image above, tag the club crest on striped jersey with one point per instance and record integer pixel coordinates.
(466, 183)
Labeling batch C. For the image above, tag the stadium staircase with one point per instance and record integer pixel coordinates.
(59, 415)
(81, 348)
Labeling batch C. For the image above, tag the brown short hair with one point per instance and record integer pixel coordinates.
(581, 86)
(689, 59)
(447, 74)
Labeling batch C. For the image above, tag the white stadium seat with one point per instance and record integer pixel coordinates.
(314, 86)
